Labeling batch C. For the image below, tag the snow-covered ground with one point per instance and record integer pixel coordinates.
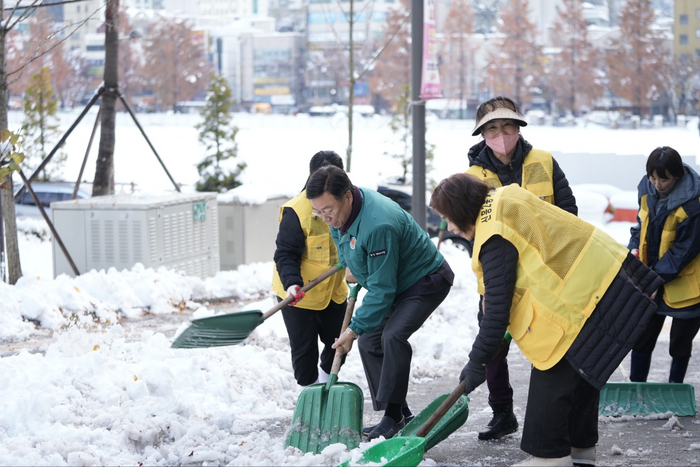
(100, 393)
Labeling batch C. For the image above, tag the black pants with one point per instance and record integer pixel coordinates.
(498, 378)
(562, 411)
(305, 327)
(683, 331)
(386, 353)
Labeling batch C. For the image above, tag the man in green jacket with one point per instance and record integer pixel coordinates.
(405, 276)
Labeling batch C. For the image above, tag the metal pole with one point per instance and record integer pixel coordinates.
(87, 152)
(60, 143)
(418, 107)
(131, 112)
(48, 221)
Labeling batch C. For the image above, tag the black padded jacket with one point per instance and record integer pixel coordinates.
(482, 156)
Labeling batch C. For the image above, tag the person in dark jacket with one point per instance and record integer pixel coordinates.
(405, 278)
(305, 249)
(667, 239)
(574, 300)
(504, 157)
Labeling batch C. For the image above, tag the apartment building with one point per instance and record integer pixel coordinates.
(686, 40)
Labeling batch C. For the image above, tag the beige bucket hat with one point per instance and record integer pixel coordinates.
(499, 113)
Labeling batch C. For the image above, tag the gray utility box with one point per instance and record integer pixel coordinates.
(247, 232)
(178, 231)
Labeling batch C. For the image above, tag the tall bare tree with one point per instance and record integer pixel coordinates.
(575, 71)
(456, 52)
(183, 69)
(103, 183)
(7, 199)
(637, 61)
(515, 63)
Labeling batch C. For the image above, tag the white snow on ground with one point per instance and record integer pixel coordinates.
(102, 394)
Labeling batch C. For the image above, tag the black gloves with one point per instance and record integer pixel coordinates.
(473, 374)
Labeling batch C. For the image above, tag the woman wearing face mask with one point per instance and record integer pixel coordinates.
(502, 158)
(667, 239)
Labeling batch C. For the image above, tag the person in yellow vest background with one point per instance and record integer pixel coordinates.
(304, 251)
(573, 299)
(501, 158)
(667, 239)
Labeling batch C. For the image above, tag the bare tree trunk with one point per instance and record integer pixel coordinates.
(104, 171)
(14, 268)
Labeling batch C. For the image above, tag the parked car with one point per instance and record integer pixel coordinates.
(432, 218)
(47, 192)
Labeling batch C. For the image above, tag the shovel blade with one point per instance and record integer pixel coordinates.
(217, 331)
(326, 416)
(450, 422)
(399, 451)
(617, 399)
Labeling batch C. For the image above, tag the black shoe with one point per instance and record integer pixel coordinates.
(503, 422)
(407, 417)
(387, 428)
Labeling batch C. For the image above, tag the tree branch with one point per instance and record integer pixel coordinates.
(25, 13)
(37, 54)
(368, 65)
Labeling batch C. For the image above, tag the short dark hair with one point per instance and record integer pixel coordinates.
(665, 160)
(459, 198)
(322, 158)
(331, 179)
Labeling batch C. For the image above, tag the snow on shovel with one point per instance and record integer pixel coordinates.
(329, 412)
(233, 328)
(409, 450)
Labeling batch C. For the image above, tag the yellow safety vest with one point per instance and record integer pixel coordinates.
(319, 255)
(538, 175)
(684, 290)
(565, 265)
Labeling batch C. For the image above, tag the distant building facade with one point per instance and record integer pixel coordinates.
(686, 41)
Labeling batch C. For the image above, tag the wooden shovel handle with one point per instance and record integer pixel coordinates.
(441, 235)
(312, 283)
(442, 410)
(338, 360)
(449, 402)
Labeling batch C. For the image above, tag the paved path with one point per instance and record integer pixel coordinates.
(636, 442)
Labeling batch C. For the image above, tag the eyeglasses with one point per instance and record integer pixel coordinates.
(330, 213)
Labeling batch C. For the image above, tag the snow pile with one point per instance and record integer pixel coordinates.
(102, 395)
(104, 296)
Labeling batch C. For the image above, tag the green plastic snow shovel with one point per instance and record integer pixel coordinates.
(331, 412)
(233, 328)
(455, 417)
(409, 450)
(617, 399)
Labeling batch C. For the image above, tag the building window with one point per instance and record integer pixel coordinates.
(697, 33)
(683, 39)
(697, 12)
(697, 53)
(683, 20)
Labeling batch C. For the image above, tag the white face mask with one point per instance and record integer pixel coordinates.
(503, 144)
